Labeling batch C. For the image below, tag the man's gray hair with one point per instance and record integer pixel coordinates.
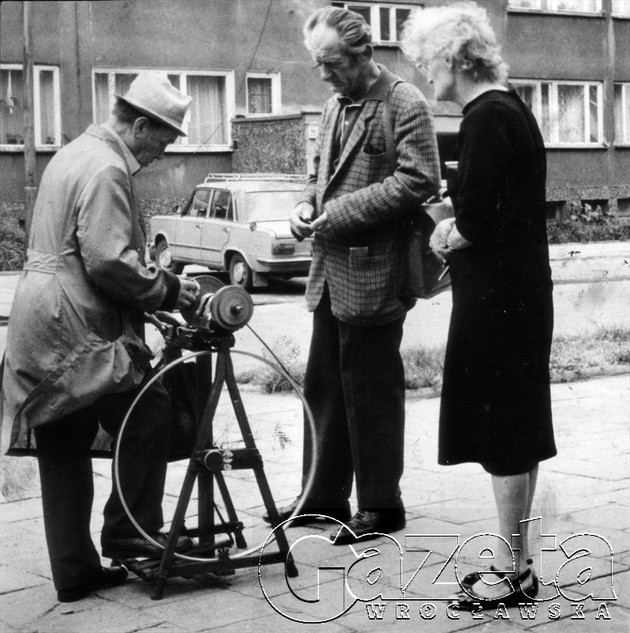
(354, 32)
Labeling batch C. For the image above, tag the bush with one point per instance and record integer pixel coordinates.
(587, 224)
(12, 246)
(584, 225)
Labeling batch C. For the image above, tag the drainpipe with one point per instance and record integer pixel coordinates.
(30, 188)
(609, 108)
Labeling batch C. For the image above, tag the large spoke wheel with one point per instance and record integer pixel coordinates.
(240, 272)
(277, 426)
(164, 258)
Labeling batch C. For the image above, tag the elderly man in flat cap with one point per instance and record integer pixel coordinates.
(76, 357)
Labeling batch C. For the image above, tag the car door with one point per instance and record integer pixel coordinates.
(189, 228)
(217, 228)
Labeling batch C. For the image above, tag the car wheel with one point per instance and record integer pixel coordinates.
(240, 273)
(164, 258)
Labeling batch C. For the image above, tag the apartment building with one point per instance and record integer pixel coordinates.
(256, 96)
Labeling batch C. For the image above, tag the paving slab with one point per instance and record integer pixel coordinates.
(584, 489)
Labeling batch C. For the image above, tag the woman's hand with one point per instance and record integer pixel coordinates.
(439, 238)
(456, 240)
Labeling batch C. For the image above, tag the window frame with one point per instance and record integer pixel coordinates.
(37, 124)
(212, 208)
(276, 93)
(182, 144)
(551, 7)
(375, 18)
(554, 120)
(625, 124)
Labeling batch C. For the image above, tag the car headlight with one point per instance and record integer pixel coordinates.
(282, 249)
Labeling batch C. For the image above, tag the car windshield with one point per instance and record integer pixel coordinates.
(264, 206)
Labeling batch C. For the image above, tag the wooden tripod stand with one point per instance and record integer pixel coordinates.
(205, 467)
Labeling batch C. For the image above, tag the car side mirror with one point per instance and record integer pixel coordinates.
(177, 209)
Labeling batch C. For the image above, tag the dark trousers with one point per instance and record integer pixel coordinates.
(65, 468)
(354, 385)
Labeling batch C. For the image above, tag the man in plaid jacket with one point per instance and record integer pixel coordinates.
(355, 205)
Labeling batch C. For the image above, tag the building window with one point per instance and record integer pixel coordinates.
(622, 114)
(621, 8)
(386, 19)
(46, 106)
(263, 93)
(207, 122)
(559, 6)
(568, 112)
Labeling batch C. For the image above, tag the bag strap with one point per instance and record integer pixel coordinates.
(390, 145)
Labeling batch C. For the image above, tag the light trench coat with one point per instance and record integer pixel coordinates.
(76, 326)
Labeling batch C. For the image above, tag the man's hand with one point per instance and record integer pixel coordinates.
(188, 293)
(300, 219)
(321, 223)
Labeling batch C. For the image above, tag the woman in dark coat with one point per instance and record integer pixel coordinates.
(496, 405)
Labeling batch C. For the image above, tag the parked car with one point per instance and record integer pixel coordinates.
(237, 223)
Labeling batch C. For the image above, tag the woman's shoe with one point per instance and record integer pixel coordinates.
(525, 589)
(470, 579)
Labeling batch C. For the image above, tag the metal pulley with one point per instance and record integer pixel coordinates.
(226, 307)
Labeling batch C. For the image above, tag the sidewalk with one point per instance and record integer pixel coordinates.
(583, 490)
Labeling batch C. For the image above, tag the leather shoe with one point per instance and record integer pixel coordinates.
(341, 514)
(138, 547)
(370, 524)
(108, 577)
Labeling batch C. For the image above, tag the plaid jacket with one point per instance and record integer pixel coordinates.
(362, 256)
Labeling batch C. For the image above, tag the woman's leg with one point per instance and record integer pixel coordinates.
(514, 496)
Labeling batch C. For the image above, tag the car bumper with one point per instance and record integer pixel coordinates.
(293, 265)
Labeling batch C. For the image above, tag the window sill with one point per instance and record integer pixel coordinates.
(387, 44)
(564, 14)
(621, 145)
(19, 149)
(198, 149)
(590, 146)
(258, 115)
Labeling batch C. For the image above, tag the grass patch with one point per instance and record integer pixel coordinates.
(424, 367)
(576, 357)
(573, 357)
(270, 381)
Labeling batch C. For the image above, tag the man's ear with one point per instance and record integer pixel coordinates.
(140, 127)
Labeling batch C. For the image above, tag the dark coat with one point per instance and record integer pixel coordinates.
(496, 403)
